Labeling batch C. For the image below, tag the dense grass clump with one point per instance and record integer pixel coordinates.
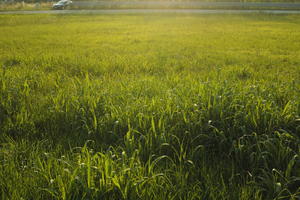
(149, 107)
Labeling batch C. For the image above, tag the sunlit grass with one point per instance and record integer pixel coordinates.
(149, 106)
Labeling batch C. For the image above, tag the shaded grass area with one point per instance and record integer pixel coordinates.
(149, 106)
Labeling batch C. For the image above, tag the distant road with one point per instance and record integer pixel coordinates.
(140, 11)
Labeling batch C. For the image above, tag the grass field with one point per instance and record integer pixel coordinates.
(157, 4)
(150, 106)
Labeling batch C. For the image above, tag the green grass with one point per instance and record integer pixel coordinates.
(29, 5)
(149, 106)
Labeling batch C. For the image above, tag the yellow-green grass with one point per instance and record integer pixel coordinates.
(149, 106)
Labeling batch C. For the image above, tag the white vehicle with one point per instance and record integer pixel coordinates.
(62, 4)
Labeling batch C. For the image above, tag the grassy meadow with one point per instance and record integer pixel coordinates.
(150, 106)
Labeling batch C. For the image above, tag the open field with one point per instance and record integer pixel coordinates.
(148, 11)
(150, 106)
(106, 5)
